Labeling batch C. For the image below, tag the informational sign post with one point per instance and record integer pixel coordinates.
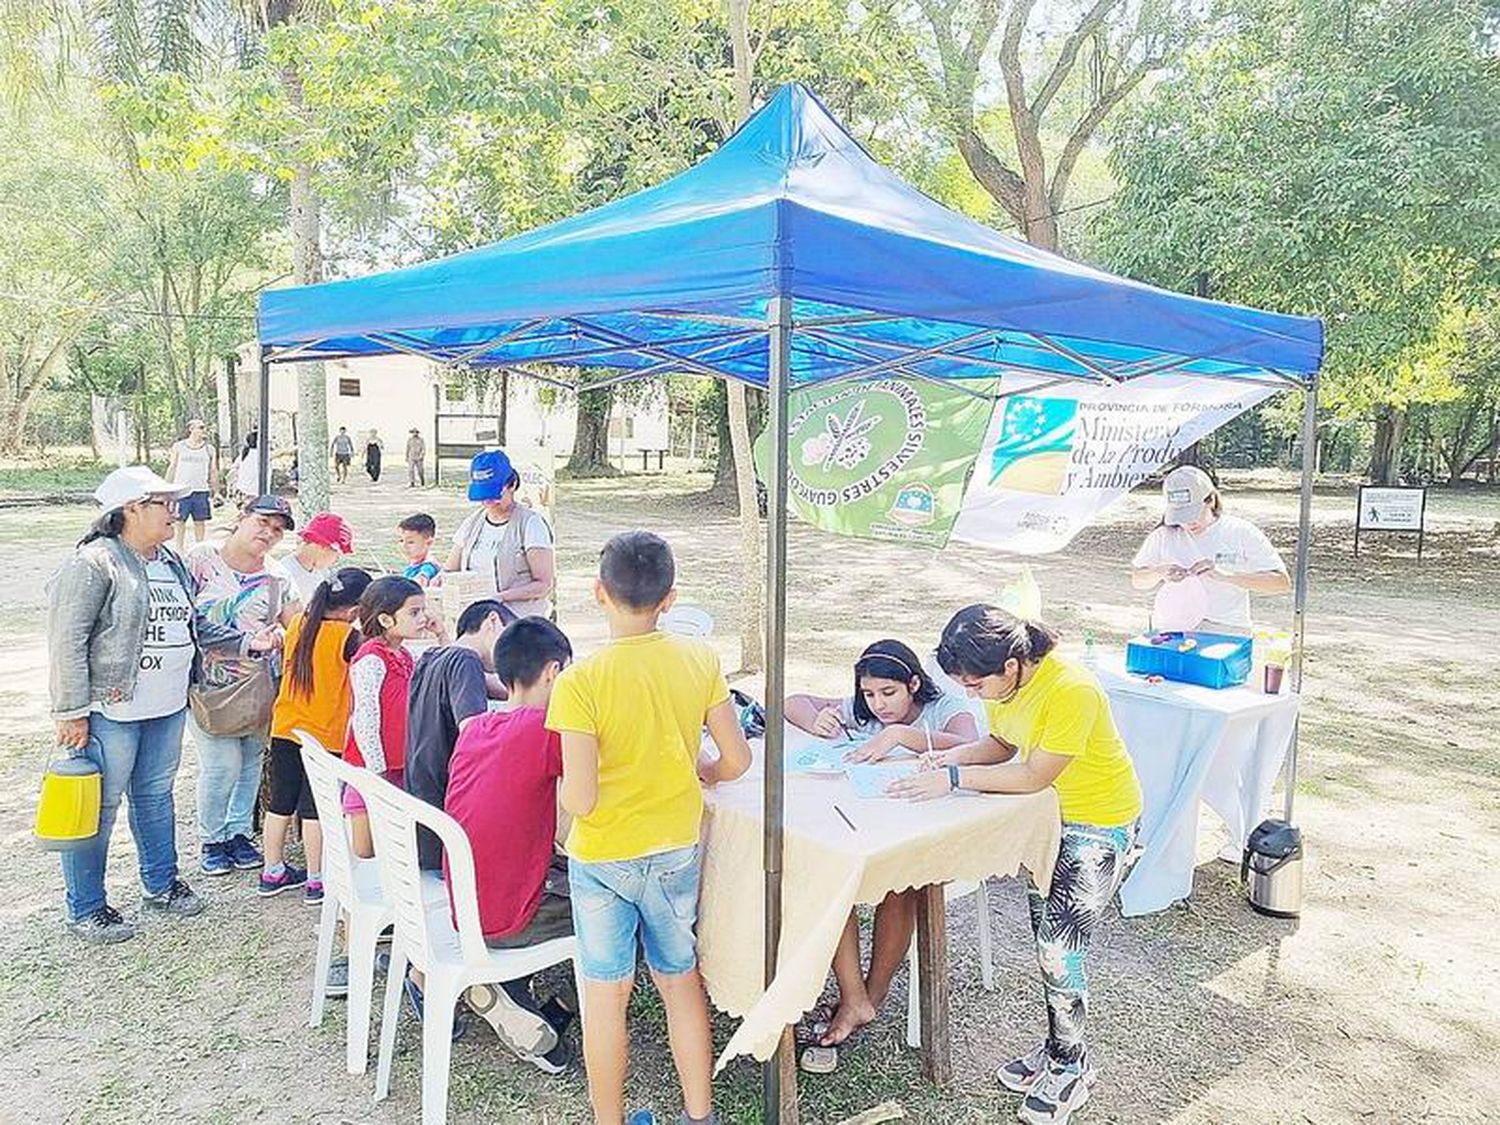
(1385, 508)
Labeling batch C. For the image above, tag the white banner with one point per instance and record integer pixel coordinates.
(1054, 459)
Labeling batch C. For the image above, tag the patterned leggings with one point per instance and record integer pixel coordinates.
(1090, 865)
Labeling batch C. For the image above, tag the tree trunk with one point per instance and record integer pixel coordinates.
(590, 456)
(312, 380)
(752, 583)
(1385, 454)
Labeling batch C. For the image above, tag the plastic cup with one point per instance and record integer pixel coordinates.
(1273, 676)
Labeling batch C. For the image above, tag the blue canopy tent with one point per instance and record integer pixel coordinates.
(790, 257)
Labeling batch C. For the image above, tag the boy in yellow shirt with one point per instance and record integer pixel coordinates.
(631, 719)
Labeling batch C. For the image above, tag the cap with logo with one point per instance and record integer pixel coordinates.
(133, 483)
(269, 505)
(329, 530)
(490, 473)
(1186, 488)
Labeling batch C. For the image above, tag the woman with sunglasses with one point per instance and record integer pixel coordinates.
(1049, 725)
(122, 634)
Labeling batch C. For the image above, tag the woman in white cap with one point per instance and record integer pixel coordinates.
(505, 539)
(122, 633)
(1204, 563)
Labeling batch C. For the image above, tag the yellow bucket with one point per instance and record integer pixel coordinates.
(67, 814)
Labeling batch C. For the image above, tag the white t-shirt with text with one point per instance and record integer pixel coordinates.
(161, 684)
(1232, 544)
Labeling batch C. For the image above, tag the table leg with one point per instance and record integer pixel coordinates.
(932, 984)
(786, 1062)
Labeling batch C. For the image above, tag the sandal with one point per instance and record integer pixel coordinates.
(814, 1059)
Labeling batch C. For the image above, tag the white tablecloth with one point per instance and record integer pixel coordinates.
(1190, 745)
(827, 868)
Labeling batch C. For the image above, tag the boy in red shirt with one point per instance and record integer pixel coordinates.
(502, 789)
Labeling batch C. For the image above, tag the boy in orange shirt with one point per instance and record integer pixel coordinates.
(631, 719)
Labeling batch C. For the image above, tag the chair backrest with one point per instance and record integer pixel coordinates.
(323, 780)
(394, 816)
(687, 621)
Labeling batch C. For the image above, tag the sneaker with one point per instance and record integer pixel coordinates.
(312, 893)
(243, 854)
(178, 900)
(1020, 1075)
(105, 926)
(640, 1117)
(554, 1061)
(414, 998)
(1057, 1094)
(283, 880)
(216, 860)
(338, 978)
(515, 1018)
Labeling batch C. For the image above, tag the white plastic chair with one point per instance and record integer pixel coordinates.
(350, 886)
(951, 892)
(452, 959)
(687, 621)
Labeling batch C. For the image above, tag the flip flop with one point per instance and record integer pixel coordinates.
(818, 1060)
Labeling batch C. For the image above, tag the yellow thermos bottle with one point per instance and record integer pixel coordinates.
(67, 815)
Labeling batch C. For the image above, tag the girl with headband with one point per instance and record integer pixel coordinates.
(895, 703)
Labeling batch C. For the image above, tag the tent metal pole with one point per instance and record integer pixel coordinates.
(779, 329)
(1299, 580)
(263, 424)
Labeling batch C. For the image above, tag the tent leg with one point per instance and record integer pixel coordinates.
(780, 1099)
(1299, 579)
(263, 450)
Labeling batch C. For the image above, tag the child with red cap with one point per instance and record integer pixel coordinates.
(326, 539)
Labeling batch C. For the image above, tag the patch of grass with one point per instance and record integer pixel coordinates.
(51, 479)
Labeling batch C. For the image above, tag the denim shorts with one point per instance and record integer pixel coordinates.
(195, 506)
(653, 898)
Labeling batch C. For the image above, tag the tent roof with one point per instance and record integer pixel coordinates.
(882, 279)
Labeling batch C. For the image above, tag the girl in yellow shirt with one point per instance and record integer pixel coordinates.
(1049, 725)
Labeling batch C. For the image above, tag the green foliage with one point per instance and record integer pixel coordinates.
(1325, 157)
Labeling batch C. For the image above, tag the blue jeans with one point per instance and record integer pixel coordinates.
(655, 897)
(138, 760)
(228, 783)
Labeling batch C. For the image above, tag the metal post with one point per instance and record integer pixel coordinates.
(778, 370)
(1299, 579)
(263, 450)
(437, 434)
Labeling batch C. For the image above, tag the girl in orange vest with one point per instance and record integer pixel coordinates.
(315, 697)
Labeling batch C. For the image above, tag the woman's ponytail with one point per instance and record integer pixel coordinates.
(981, 639)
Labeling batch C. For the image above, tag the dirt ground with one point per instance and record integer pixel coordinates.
(1381, 1005)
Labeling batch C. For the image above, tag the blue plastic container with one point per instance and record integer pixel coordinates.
(1211, 660)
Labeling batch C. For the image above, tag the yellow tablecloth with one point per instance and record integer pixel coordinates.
(828, 868)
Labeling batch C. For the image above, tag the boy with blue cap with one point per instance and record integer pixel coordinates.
(505, 539)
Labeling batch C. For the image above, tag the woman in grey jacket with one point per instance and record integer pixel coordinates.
(123, 636)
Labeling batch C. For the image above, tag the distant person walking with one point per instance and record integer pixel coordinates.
(343, 453)
(373, 448)
(416, 458)
(194, 468)
(122, 634)
(247, 470)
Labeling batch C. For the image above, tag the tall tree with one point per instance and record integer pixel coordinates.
(1330, 158)
(752, 590)
(1062, 77)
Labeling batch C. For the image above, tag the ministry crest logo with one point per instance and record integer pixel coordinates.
(1036, 439)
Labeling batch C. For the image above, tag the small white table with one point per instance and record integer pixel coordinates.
(1190, 745)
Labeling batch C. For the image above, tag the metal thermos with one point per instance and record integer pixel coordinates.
(1272, 869)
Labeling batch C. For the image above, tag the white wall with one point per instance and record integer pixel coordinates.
(396, 394)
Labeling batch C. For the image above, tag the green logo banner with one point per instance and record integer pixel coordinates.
(887, 459)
